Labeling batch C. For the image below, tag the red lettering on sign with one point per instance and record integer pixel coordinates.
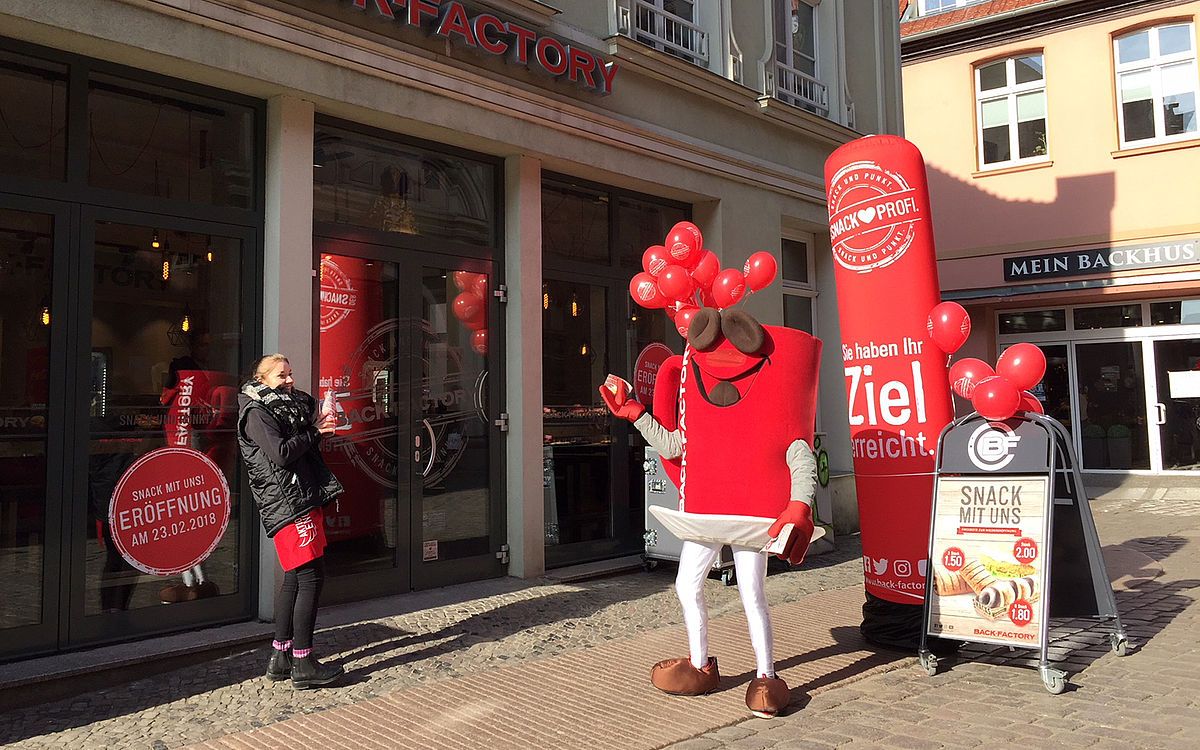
(524, 37)
(454, 21)
(483, 24)
(383, 7)
(419, 8)
(544, 45)
(580, 65)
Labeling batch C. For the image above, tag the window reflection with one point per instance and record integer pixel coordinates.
(33, 118)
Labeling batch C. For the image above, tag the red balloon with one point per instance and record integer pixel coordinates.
(1030, 402)
(1023, 365)
(760, 270)
(995, 398)
(675, 283)
(480, 285)
(685, 244)
(479, 341)
(467, 305)
(477, 323)
(706, 298)
(948, 326)
(655, 259)
(644, 290)
(462, 280)
(706, 269)
(966, 373)
(683, 319)
(728, 287)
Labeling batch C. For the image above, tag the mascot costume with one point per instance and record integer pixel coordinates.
(733, 422)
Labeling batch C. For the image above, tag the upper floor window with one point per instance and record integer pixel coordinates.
(1157, 83)
(1010, 98)
(927, 7)
(796, 79)
(799, 287)
(670, 26)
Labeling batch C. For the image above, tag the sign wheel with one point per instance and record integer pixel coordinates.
(1055, 680)
(1120, 645)
(929, 662)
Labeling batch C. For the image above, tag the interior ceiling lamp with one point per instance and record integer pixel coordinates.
(185, 325)
(166, 263)
(208, 253)
(154, 243)
(574, 306)
(545, 297)
(45, 313)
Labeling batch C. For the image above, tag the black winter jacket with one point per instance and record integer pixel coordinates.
(288, 477)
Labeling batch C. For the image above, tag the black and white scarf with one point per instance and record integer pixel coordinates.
(293, 409)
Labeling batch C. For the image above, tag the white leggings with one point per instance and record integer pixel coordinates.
(695, 561)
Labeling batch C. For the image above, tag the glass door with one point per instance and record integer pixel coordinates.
(1176, 412)
(410, 350)
(34, 237)
(160, 353)
(1110, 393)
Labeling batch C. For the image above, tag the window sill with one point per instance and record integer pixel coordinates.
(1155, 148)
(1014, 168)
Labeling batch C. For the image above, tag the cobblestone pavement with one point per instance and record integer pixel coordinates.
(1147, 700)
(532, 620)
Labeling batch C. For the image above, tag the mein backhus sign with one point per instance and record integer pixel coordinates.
(1103, 260)
(989, 559)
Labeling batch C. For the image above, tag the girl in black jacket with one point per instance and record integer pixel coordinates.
(279, 431)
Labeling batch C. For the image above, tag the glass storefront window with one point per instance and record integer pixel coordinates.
(167, 143)
(1177, 312)
(576, 424)
(640, 224)
(795, 260)
(26, 250)
(575, 224)
(33, 118)
(161, 317)
(1111, 389)
(1112, 316)
(1033, 321)
(387, 186)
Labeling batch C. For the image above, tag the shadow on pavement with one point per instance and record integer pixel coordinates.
(348, 644)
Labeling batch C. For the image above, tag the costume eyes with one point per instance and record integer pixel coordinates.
(743, 331)
(704, 333)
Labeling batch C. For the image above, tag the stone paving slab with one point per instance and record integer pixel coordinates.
(597, 697)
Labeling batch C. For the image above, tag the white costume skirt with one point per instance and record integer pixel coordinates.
(711, 528)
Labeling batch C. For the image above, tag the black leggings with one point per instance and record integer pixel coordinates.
(296, 604)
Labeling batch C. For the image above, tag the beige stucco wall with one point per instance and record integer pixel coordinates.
(1089, 194)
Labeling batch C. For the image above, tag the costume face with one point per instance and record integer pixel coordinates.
(729, 349)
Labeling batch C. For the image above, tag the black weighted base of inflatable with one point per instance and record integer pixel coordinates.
(898, 626)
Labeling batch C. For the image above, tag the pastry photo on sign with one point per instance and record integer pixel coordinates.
(995, 584)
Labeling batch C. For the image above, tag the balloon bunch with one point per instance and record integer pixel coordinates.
(680, 276)
(470, 306)
(998, 393)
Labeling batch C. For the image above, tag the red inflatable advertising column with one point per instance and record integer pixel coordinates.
(896, 384)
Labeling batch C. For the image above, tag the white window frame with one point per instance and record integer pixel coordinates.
(1155, 63)
(783, 13)
(923, 6)
(1011, 92)
(807, 289)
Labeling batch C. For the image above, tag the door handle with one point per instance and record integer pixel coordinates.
(1161, 410)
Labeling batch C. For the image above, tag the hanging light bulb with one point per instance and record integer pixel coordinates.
(583, 350)
(574, 306)
(545, 297)
(208, 255)
(154, 243)
(186, 324)
(166, 269)
(45, 316)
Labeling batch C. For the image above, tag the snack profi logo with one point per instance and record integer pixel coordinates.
(338, 296)
(873, 214)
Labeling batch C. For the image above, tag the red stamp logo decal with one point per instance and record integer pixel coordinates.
(338, 296)
(872, 216)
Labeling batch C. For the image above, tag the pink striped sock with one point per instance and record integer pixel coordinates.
(282, 645)
(300, 653)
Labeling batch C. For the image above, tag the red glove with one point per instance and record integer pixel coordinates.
(615, 393)
(799, 514)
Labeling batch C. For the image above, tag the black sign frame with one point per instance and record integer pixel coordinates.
(1077, 583)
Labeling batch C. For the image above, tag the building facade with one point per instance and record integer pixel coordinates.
(1060, 138)
(434, 209)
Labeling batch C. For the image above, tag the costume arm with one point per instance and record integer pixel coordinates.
(668, 444)
(803, 467)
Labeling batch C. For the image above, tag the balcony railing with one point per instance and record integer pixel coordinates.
(664, 31)
(798, 88)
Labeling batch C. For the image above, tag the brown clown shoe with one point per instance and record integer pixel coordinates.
(767, 696)
(679, 677)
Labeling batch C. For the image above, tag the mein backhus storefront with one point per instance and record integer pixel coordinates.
(1120, 328)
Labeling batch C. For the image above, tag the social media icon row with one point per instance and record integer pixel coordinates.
(900, 568)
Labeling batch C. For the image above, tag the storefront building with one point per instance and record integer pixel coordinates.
(1054, 135)
(434, 210)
